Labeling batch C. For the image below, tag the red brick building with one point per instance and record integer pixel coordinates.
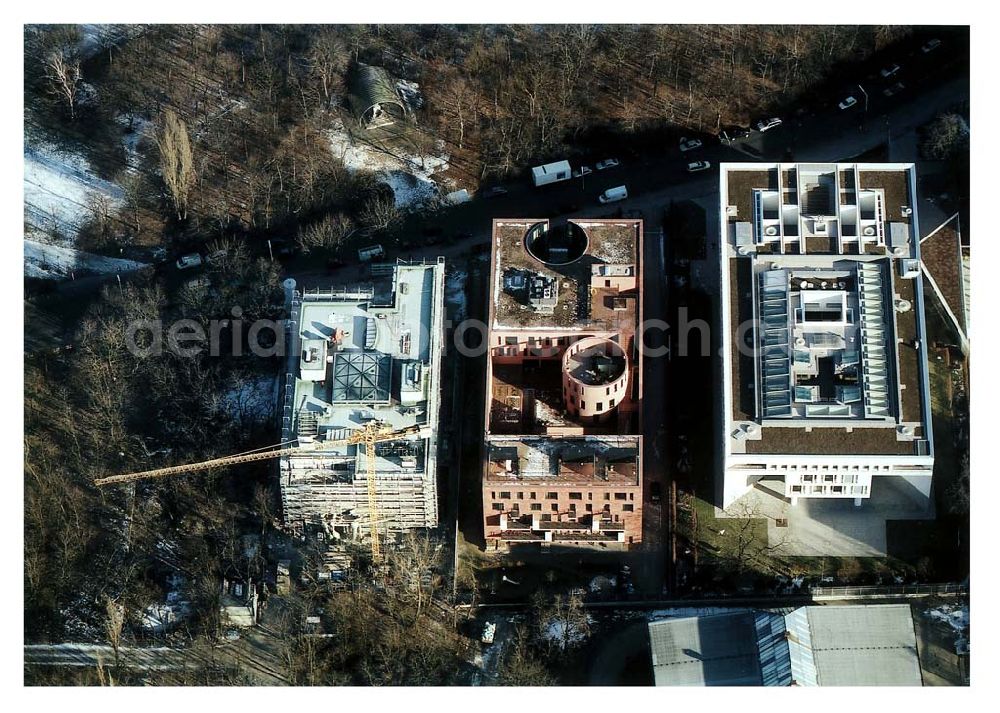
(562, 461)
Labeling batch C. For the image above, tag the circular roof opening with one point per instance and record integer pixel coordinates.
(558, 244)
(595, 361)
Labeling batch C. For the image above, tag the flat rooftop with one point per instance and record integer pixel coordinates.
(581, 302)
(567, 460)
(821, 262)
(366, 353)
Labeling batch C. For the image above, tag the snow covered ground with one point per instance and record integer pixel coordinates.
(58, 187)
(57, 262)
(409, 176)
(957, 617)
(454, 293)
(251, 401)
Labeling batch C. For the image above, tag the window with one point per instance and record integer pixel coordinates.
(498, 507)
(576, 496)
(546, 518)
(807, 478)
(607, 496)
(796, 488)
(590, 508)
(607, 283)
(628, 508)
(505, 495)
(621, 496)
(600, 405)
(511, 340)
(631, 496)
(572, 507)
(829, 478)
(838, 488)
(590, 496)
(536, 506)
(611, 404)
(551, 496)
(555, 507)
(583, 404)
(520, 496)
(531, 496)
(493, 494)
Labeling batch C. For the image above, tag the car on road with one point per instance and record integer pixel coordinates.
(493, 192)
(889, 71)
(188, 261)
(696, 166)
(732, 133)
(767, 124)
(607, 163)
(613, 195)
(894, 89)
(582, 171)
(848, 103)
(690, 144)
(930, 45)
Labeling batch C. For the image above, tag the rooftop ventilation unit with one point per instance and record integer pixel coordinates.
(771, 230)
(819, 227)
(869, 231)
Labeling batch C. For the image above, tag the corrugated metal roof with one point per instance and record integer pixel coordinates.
(718, 650)
(370, 86)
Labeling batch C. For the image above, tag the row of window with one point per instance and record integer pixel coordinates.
(552, 495)
(857, 490)
(537, 507)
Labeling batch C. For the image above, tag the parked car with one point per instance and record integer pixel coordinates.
(607, 163)
(732, 133)
(493, 192)
(894, 89)
(582, 171)
(695, 166)
(767, 124)
(187, 261)
(848, 103)
(889, 71)
(613, 195)
(930, 45)
(690, 144)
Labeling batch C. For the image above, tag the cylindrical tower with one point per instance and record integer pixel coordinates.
(595, 378)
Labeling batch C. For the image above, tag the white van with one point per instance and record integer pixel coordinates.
(618, 193)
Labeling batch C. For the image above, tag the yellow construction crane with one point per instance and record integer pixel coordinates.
(371, 433)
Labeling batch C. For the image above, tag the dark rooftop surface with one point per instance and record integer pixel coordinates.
(942, 257)
(613, 243)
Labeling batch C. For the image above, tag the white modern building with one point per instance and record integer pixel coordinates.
(358, 354)
(824, 345)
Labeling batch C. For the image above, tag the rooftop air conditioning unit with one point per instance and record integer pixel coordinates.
(905, 211)
(819, 227)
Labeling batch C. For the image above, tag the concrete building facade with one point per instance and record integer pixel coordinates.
(824, 359)
(562, 461)
(358, 354)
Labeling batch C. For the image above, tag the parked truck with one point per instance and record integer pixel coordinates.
(551, 173)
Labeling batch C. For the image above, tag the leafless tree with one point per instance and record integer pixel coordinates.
(62, 70)
(176, 161)
(327, 233)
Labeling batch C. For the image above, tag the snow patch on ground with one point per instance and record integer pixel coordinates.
(42, 260)
(410, 91)
(58, 187)
(409, 176)
(250, 401)
(454, 293)
(560, 632)
(955, 616)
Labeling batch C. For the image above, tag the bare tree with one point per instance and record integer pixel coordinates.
(328, 233)
(113, 627)
(380, 213)
(176, 161)
(62, 70)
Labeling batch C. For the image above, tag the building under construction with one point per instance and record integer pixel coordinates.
(357, 355)
(563, 456)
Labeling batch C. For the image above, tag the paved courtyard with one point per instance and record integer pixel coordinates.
(833, 527)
